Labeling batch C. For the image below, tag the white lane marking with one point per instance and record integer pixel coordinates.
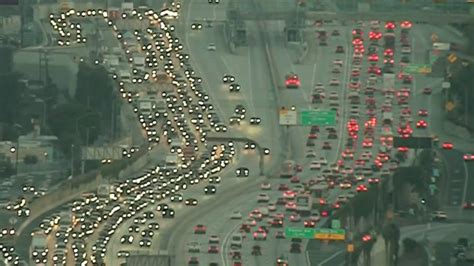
(466, 178)
(224, 245)
(330, 258)
(249, 78)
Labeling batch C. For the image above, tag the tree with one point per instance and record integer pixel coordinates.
(30, 159)
(10, 97)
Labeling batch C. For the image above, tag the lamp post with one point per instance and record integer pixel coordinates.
(82, 117)
(16, 149)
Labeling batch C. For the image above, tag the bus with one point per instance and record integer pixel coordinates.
(304, 204)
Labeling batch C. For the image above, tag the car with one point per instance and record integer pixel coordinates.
(468, 157)
(468, 205)
(196, 26)
(175, 198)
(335, 33)
(214, 239)
(334, 82)
(281, 261)
(123, 254)
(338, 62)
(339, 49)
(310, 154)
(309, 223)
(447, 145)
(439, 216)
(190, 202)
(421, 124)
(242, 172)
(193, 261)
(266, 186)
(326, 145)
(228, 79)
(283, 187)
(147, 233)
(260, 234)
(169, 213)
(263, 198)
(236, 215)
(361, 188)
(255, 120)
(200, 229)
(336, 70)
(214, 179)
(374, 180)
(126, 239)
(236, 240)
(250, 145)
(295, 179)
(211, 46)
(315, 216)
(209, 189)
(213, 249)
(194, 247)
(423, 112)
(427, 91)
(145, 242)
(295, 217)
(292, 81)
(234, 87)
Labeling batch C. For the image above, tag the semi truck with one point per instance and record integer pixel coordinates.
(389, 39)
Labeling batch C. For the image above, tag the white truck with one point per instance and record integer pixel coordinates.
(388, 81)
(139, 62)
(124, 75)
(38, 248)
(145, 107)
(387, 118)
(171, 161)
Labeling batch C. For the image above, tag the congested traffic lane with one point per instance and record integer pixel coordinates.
(212, 66)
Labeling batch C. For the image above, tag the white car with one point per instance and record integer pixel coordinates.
(310, 154)
(406, 49)
(194, 247)
(315, 165)
(263, 198)
(337, 62)
(315, 217)
(211, 46)
(319, 86)
(266, 186)
(439, 216)
(272, 207)
(236, 215)
(323, 161)
(334, 82)
(213, 239)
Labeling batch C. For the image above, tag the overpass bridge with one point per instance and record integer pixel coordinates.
(421, 11)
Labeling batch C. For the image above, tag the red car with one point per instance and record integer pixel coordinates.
(388, 53)
(447, 145)
(374, 70)
(468, 157)
(373, 58)
(421, 124)
(468, 206)
(405, 24)
(295, 179)
(361, 188)
(200, 229)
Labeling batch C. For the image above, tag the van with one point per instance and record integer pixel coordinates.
(236, 240)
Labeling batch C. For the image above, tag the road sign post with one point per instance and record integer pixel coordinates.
(318, 117)
(288, 117)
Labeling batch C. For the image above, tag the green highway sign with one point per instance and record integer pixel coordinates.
(294, 232)
(318, 118)
(335, 224)
(417, 68)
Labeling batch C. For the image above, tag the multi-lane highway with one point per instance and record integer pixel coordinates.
(351, 156)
